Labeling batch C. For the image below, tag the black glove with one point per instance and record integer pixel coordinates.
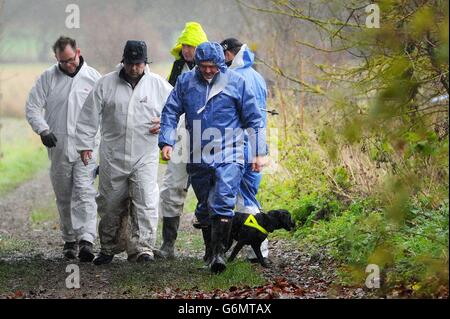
(48, 139)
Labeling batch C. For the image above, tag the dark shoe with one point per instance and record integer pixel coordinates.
(169, 234)
(103, 259)
(145, 258)
(220, 233)
(70, 250)
(86, 253)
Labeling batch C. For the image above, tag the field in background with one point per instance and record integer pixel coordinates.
(21, 153)
(16, 81)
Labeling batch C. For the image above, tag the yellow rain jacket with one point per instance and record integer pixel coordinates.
(192, 35)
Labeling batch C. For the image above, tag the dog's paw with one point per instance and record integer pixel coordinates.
(265, 265)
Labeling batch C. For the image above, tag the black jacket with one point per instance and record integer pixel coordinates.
(177, 68)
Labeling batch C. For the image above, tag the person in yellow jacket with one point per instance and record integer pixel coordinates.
(175, 184)
(192, 36)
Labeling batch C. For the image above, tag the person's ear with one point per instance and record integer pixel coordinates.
(78, 51)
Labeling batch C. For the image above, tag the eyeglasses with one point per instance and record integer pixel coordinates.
(69, 61)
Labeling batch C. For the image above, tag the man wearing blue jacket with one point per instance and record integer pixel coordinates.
(239, 58)
(218, 105)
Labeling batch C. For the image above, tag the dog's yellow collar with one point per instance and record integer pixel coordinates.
(251, 222)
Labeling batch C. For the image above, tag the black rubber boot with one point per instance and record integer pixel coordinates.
(70, 250)
(103, 259)
(207, 258)
(220, 234)
(86, 252)
(169, 235)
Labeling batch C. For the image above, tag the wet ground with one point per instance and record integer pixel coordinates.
(32, 266)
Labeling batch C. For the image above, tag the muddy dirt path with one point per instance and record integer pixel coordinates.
(32, 266)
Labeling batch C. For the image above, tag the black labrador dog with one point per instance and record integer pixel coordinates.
(252, 230)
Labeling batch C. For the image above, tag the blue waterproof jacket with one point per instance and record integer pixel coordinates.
(217, 113)
(242, 64)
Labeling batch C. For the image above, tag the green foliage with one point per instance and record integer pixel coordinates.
(301, 173)
(406, 255)
(313, 207)
(341, 177)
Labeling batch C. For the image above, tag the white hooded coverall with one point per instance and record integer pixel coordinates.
(62, 98)
(129, 157)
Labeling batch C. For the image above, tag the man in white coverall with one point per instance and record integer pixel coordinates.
(126, 104)
(61, 91)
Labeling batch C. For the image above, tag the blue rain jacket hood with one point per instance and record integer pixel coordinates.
(228, 102)
(210, 51)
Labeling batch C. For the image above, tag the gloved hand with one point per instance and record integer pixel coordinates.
(48, 139)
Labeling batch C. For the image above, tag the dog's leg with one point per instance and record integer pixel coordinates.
(257, 250)
(236, 250)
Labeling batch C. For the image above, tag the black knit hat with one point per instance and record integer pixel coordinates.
(230, 44)
(135, 52)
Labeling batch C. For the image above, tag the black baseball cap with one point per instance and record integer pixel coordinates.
(230, 43)
(135, 51)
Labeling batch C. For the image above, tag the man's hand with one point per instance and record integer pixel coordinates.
(156, 125)
(86, 156)
(48, 139)
(167, 152)
(258, 163)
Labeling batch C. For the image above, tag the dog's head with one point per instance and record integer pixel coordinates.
(282, 219)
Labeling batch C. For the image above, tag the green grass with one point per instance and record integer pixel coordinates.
(190, 240)
(191, 202)
(44, 214)
(10, 245)
(20, 276)
(183, 274)
(21, 154)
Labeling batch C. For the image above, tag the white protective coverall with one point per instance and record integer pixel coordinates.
(62, 98)
(129, 157)
(175, 183)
